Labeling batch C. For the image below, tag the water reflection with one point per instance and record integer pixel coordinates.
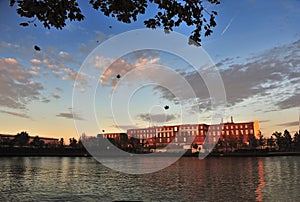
(261, 175)
(189, 179)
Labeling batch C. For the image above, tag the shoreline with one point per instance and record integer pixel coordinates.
(81, 152)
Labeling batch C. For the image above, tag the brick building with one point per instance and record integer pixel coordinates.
(194, 134)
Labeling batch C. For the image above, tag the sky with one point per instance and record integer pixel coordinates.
(255, 48)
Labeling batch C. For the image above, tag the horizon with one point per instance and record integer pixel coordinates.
(255, 50)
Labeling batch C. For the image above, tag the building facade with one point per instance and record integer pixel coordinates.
(195, 134)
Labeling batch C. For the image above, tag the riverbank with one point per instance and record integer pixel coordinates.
(81, 152)
(55, 152)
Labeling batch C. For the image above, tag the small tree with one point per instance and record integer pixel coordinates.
(261, 141)
(73, 142)
(61, 142)
(21, 139)
(253, 143)
(37, 142)
(287, 140)
(271, 142)
(296, 140)
(279, 139)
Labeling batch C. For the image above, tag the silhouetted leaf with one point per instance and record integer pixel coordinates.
(169, 14)
(24, 24)
(37, 48)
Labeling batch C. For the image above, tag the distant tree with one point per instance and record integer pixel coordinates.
(279, 140)
(73, 142)
(253, 142)
(240, 141)
(169, 14)
(261, 141)
(21, 139)
(296, 140)
(220, 145)
(37, 142)
(80, 144)
(232, 142)
(61, 142)
(271, 142)
(287, 140)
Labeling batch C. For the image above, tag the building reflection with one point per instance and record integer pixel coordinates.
(261, 178)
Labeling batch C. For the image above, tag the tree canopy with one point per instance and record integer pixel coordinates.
(170, 13)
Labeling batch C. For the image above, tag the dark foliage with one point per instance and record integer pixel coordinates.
(170, 13)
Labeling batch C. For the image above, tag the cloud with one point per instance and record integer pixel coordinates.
(290, 102)
(122, 66)
(59, 89)
(36, 69)
(157, 118)
(15, 114)
(124, 127)
(271, 74)
(289, 124)
(70, 116)
(79, 77)
(36, 62)
(16, 86)
(45, 100)
(65, 56)
(56, 96)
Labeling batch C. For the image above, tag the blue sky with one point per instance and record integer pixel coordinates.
(255, 46)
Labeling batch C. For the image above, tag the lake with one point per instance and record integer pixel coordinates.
(189, 179)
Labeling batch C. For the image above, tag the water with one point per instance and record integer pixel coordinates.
(189, 179)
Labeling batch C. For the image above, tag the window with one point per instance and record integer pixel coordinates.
(184, 139)
(176, 139)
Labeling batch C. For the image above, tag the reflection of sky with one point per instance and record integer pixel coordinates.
(252, 45)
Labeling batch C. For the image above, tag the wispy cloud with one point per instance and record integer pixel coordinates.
(70, 116)
(157, 118)
(271, 77)
(289, 124)
(56, 96)
(122, 66)
(17, 87)
(21, 115)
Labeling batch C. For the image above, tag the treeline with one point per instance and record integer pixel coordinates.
(278, 141)
(23, 139)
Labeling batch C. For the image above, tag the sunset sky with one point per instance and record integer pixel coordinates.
(255, 46)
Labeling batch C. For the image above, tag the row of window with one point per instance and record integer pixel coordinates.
(192, 133)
